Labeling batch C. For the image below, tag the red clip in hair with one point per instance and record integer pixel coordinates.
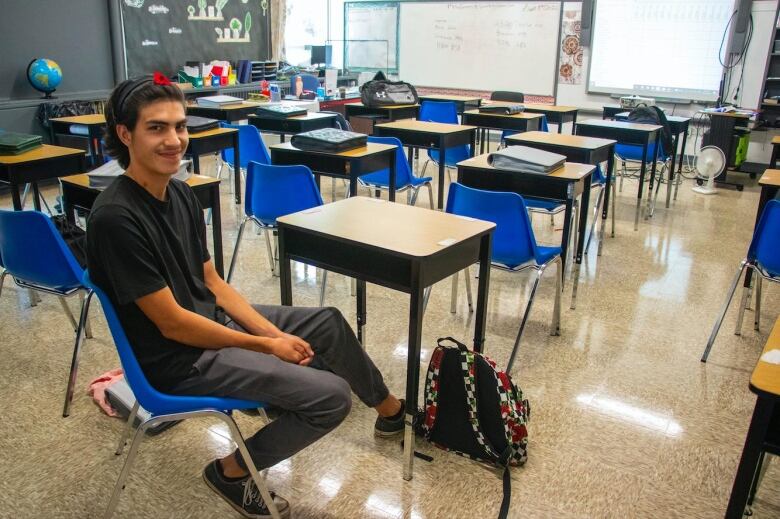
(160, 79)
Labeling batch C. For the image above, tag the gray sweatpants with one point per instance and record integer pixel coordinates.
(314, 399)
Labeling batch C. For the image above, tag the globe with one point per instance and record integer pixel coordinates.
(44, 75)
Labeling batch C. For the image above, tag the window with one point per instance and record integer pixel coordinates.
(313, 22)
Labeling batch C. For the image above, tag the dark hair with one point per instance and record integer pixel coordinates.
(124, 105)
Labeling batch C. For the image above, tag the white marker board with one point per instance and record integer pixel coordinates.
(371, 36)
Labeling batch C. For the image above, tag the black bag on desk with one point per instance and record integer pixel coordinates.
(329, 139)
(654, 115)
(388, 93)
(280, 111)
(197, 124)
(501, 109)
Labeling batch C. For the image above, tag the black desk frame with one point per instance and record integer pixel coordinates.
(212, 144)
(487, 122)
(282, 126)
(223, 114)
(31, 172)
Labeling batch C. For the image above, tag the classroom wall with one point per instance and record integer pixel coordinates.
(74, 33)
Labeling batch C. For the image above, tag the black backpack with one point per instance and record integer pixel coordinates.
(378, 93)
(473, 409)
(654, 115)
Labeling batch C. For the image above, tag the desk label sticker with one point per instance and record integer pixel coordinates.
(447, 242)
(771, 357)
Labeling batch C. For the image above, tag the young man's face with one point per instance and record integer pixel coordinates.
(159, 139)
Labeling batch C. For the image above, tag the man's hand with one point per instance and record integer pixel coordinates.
(292, 349)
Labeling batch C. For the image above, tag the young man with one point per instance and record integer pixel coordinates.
(193, 333)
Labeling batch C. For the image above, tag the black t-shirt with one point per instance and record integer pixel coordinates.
(137, 245)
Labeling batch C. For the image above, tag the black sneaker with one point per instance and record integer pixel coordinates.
(386, 427)
(242, 494)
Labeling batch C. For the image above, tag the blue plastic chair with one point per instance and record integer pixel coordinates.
(404, 180)
(37, 258)
(164, 407)
(271, 192)
(763, 258)
(310, 82)
(514, 245)
(632, 153)
(443, 112)
(251, 145)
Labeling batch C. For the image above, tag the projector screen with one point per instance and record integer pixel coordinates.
(658, 48)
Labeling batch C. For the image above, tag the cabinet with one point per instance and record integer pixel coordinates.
(770, 106)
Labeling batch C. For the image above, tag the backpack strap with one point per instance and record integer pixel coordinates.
(468, 368)
(504, 459)
(443, 340)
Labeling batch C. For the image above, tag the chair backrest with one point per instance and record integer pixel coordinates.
(33, 251)
(339, 121)
(765, 247)
(513, 239)
(509, 97)
(249, 142)
(403, 173)
(309, 82)
(274, 191)
(439, 112)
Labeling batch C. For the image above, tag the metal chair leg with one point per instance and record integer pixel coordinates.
(623, 173)
(120, 482)
(235, 433)
(657, 189)
(352, 287)
(467, 276)
(454, 294)
(426, 297)
(527, 312)
(555, 327)
(614, 207)
(322, 288)
(722, 313)
(270, 250)
(742, 306)
(596, 211)
(127, 429)
(3, 274)
(87, 327)
(66, 308)
(235, 248)
(74, 364)
(757, 313)
(276, 254)
(430, 194)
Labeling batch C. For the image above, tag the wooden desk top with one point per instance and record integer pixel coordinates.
(569, 171)
(369, 149)
(237, 106)
(448, 97)
(389, 107)
(670, 118)
(44, 152)
(426, 126)
(375, 223)
(521, 115)
(82, 180)
(559, 139)
(90, 119)
(766, 376)
(550, 108)
(776, 140)
(305, 117)
(620, 124)
(771, 177)
(212, 133)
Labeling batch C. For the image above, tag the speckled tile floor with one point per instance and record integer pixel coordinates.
(626, 421)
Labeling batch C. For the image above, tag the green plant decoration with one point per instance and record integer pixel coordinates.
(247, 24)
(235, 24)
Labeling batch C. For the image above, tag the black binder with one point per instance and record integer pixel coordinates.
(501, 109)
(197, 124)
(330, 140)
(280, 111)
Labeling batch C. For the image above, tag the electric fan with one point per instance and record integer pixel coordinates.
(710, 162)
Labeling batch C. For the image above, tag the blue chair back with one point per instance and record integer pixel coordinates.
(33, 251)
(250, 143)
(439, 112)
(309, 82)
(513, 239)
(765, 247)
(634, 152)
(274, 191)
(150, 399)
(403, 173)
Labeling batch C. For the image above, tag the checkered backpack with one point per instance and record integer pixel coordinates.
(472, 408)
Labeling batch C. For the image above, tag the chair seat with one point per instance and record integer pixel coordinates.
(543, 204)
(452, 156)
(634, 152)
(544, 254)
(164, 403)
(64, 289)
(381, 178)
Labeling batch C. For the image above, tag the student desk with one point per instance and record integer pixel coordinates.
(610, 111)
(765, 383)
(212, 141)
(292, 125)
(42, 163)
(391, 113)
(229, 113)
(521, 122)
(462, 103)
(677, 125)
(76, 192)
(585, 150)
(775, 151)
(359, 237)
(627, 133)
(348, 164)
(564, 184)
(424, 134)
(555, 114)
(770, 185)
(96, 125)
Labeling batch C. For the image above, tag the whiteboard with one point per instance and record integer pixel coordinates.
(480, 45)
(375, 27)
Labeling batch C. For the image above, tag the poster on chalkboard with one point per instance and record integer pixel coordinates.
(165, 34)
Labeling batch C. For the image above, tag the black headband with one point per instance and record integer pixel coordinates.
(127, 89)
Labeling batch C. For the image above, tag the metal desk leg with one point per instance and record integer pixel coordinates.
(606, 208)
(480, 324)
(354, 173)
(36, 196)
(216, 230)
(642, 170)
(237, 168)
(682, 159)
(481, 141)
(413, 368)
(751, 452)
(582, 230)
(671, 170)
(361, 312)
(650, 198)
(442, 167)
(196, 163)
(15, 196)
(574, 122)
(566, 232)
(392, 176)
(285, 277)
